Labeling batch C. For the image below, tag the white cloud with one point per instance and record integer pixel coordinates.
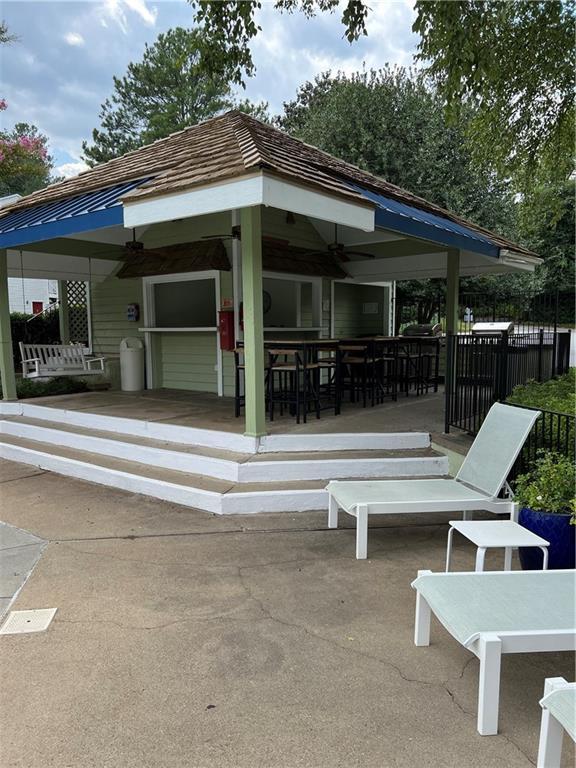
(70, 169)
(148, 15)
(116, 11)
(74, 38)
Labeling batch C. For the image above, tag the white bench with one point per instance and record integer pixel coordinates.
(493, 613)
(46, 360)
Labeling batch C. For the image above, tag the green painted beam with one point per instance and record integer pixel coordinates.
(255, 406)
(6, 357)
(452, 287)
(63, 312)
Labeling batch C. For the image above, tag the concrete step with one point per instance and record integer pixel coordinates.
(228, 465)
(198, 491)
(218, 439)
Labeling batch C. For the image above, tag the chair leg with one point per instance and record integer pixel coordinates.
(361, 532)
(508, 558)
(489, 684)
(449, 548)
(467, 515)
(422, 621)
(332, 512)
(551, 733)
(480, 554)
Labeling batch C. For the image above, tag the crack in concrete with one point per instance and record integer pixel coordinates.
(24, 477)
(267, 615)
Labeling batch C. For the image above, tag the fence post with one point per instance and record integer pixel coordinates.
(448, 380)
(502, 387)
(540, 353)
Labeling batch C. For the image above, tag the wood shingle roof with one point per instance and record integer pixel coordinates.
(230, 146)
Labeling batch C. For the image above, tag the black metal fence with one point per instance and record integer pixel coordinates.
(552, 432)
(529, 310)
(482, 369)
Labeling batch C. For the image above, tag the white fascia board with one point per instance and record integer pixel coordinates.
(245, 193)
(240, 193)
(291, 197)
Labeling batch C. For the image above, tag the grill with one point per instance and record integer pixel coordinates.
(423, 329)
(506, 325)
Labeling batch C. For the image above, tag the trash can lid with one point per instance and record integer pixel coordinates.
(131, 342)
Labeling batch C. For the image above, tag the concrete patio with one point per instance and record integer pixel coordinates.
(185, 639)
(206, 411)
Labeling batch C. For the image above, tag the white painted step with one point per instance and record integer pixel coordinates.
(216, 496)
(229, 441)
(228, 465)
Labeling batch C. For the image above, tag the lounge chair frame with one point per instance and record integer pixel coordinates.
(489, 647)
(477, 485)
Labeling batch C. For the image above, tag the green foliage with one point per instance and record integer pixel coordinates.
(513, 62)
(547, 223)
(5, 35)
(549, 486)
(26, 388)
(229, 27)
(391, 122)
(169, 89)
(554, 395)
(25, 164)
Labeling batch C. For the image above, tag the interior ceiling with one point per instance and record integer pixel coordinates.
(394, 257)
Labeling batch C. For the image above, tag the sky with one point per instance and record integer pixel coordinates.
(60, 69)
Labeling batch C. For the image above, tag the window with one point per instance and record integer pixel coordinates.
(185, 304)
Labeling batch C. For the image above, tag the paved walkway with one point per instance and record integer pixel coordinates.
(184, 640)
(19, 550)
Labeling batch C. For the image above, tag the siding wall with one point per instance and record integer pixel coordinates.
(349, 319)
(109, 300)
(188, 361)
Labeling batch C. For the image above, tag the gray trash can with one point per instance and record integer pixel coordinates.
(131, 364)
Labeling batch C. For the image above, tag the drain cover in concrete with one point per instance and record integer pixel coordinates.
(21, 622)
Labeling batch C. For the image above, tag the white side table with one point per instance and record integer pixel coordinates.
(486, 534)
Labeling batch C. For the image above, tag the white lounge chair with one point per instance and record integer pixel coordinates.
(492, 613)
(558, 715)
(480, 479)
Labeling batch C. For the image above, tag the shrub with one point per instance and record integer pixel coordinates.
(554, 395)
(549, 485)
(60, 385)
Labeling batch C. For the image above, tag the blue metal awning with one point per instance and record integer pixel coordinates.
(81, 213)
(414, 222)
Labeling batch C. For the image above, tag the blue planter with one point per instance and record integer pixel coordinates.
(557, 530)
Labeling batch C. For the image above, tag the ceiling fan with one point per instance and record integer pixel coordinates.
(339, 250)
(236, 234)
(135, 247)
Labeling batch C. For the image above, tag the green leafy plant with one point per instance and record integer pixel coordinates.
(549, 485)
(554, 395)
(26, 388)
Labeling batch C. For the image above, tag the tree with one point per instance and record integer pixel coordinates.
(229, 26)
(25, 164)
(548, 229)
(513, 62)
(166, 91)
(390, 122)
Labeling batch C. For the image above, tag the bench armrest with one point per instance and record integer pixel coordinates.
(90, 360)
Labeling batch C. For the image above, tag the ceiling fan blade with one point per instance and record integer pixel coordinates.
(361, 253)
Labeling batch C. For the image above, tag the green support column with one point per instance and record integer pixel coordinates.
(255, 406)
(63, 312)
(452, 288)
(6, 357)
